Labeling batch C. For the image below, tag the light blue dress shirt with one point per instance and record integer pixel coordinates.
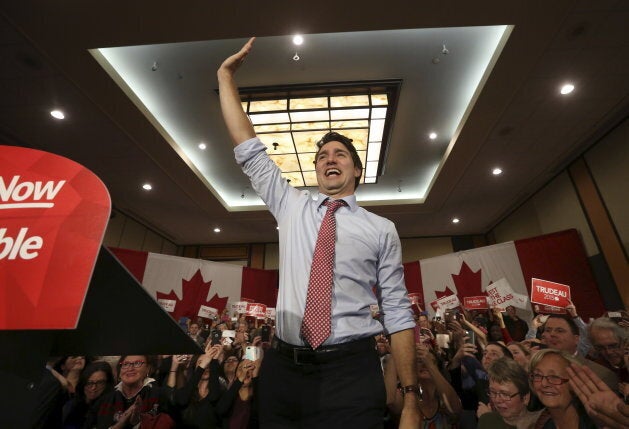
(368, 256)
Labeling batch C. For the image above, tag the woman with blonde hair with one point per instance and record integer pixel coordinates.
(548, 375)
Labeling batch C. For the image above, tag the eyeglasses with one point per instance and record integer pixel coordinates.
(607, 348)
(96, 384)
(503, 396)
(136, 364)
(552, 379)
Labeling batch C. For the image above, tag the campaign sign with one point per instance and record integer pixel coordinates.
(448, 302)
(270, 313)
(501, 295)
(257, 310)
(53, 214)
(548, 309)
(240, 307)
(475, 302)
(207, 312)
(550, 293)
(167, 304)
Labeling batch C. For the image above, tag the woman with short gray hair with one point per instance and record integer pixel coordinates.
(509, 394)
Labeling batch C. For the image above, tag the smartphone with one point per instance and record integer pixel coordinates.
(265, 333)
(215, 336)
(471, 337)
(252, 353)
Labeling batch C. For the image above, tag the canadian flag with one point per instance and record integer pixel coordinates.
(558, 257)
(185, 285)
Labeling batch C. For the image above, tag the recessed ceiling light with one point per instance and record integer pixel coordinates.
(147, 187)
(202, 146)
(567, 89)
(217, 230)
(432, 136)
(455, 220)
(298, 39)
(496, 171)
(57, 114)
(277, 227)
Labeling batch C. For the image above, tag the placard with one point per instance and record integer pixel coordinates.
(240, 307)
(501, 295)
(550, 293)
(53, 214)
(449, 302)
(475, 302)
(207, 312)
(255, 309)
(167, 304)
(548, 309)
(270, 313)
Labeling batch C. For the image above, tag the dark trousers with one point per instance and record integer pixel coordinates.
(345, 393)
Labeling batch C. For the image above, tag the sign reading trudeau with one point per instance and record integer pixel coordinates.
(257, 310)
(550, 293)
(475, 302)
(53, 214)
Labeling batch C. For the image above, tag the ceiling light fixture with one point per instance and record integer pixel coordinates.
(57, 114)
(432, 136)
(455, 220)
(290, 121)
(217, 230)
(298, 39)
(147, 187)
(496, 171)
(566, 89)
(202, 146)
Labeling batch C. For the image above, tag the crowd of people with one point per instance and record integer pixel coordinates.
(475, 370)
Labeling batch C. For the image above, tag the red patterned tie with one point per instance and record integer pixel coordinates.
(316, 324)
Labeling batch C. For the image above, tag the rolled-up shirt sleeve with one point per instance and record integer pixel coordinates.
(394, 302)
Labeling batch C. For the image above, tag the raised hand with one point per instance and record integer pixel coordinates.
(231, 64)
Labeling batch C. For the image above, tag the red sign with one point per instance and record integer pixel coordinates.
(475, 302)
(549, 293)
(53, 214)
(257, 310)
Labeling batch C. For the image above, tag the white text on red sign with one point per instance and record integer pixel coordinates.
(20, 195)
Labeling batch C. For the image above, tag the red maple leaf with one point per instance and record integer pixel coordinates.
(194, 293)
(468, 282)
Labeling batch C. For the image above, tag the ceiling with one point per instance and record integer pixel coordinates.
(515, 118)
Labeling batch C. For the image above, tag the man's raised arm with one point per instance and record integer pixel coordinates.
(238, 124)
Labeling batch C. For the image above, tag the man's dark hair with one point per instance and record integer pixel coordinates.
(505, 351)
(573, 326)
(333, 136)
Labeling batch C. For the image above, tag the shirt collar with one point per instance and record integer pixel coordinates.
(350, 200)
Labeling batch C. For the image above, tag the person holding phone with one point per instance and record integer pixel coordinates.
(322, 369)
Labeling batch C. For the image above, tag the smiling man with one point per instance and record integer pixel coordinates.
(323, 369)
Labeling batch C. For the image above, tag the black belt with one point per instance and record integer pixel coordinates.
(301, 355)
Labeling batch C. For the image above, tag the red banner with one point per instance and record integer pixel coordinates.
(53, 214)
(475, 302)
(549, 293)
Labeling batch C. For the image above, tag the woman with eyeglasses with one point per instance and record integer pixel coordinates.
(509, 394)
(97, 379)
(548, 376)
(137, 398)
